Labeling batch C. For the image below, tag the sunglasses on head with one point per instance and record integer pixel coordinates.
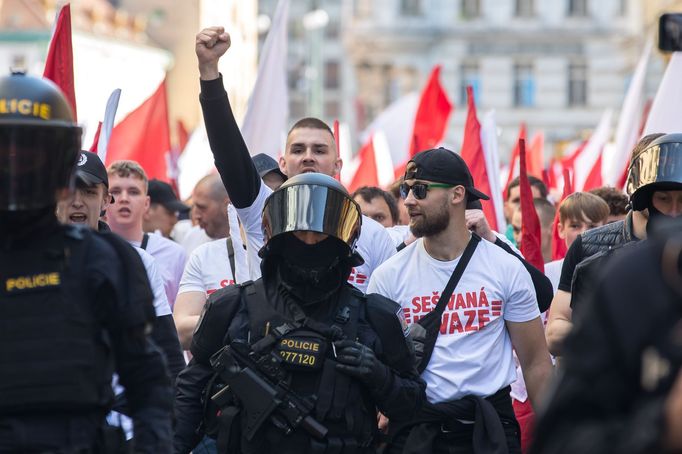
(420, 189)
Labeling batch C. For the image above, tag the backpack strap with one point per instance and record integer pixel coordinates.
(230, 257)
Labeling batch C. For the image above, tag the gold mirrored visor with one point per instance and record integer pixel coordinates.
(661, 163)
(312, 208)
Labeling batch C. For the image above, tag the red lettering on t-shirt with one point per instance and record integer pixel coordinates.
(471, 316)
(496, 307)
(483, 318)
(460, 302)
(482, 298)
(455, 323)
(225, 282)
(471, 300)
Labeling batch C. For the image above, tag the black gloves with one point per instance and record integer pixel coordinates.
(359, 361)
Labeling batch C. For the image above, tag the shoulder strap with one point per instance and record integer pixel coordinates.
(145, 240)
(431, 322)
(230, 256)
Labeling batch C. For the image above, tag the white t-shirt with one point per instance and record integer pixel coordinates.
(473, 353)
(208, 269)
(553, 273)
(171, 258)
(161, 306)
(374, 244)
(189, 236)
(398, 233)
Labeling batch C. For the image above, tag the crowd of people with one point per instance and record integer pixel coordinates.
(273, 311)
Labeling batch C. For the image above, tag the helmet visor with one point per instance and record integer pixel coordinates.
(659, 164)
(312, 208)
(35, 162)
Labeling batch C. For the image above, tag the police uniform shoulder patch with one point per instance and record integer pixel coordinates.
(31, 282)
(403, 323)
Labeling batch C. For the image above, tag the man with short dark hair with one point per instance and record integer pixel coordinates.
(493, 308)
(377, 204)
(310, 147)
(617, 201)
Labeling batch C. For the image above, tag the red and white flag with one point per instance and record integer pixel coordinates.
(265, 121)
(665, 115)
(531, 246)
(373, 164)
(144, 136)
(615, 159)
(432, 115)
(587, 164)
(492, 165)
(473, 154)
(59, 62)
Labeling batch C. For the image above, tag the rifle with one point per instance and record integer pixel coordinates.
(260, 383)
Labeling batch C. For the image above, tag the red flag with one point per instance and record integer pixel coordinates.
(59, 62)
(432, 115)
(95, 141)
(530, 227)
(514, 157)
(536, 155)
(183, 135)
(367, 174)
(472, 153)
(559, 248)
(594, 179)
(144, 136)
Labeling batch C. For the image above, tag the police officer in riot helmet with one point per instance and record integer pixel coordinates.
(299, 360)
(620, 389)
(66, 320)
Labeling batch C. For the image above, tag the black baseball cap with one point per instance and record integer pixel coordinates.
(266, 164)
(441, 165)
(90, 169)
(162, 193)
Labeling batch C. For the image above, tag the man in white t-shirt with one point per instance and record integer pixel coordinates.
(310, 147)
(492, 310)
(210, 266)
(128, 186)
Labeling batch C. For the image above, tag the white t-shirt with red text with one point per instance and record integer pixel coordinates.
(374, 244)
(473, 352)
(208, 269)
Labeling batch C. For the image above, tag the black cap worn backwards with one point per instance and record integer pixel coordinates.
(441, 165)
(266, 164)
(90, 170)
(162, 193)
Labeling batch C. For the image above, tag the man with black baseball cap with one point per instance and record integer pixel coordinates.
(91, 198)
(464, 334)
(164, 207)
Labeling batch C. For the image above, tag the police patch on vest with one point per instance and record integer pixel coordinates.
(302, 352)
(29, 283)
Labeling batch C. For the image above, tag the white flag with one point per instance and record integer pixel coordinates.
(589, 155)
(266, 114)
(666, 111)
(615, 159)
(492, 165)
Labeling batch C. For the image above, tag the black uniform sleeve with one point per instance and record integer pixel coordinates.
(232, 158)
(140, 365)
(189, 409)
(165, 336)
(543, 286)
(598, 405)
(403, 391)
(573, 257)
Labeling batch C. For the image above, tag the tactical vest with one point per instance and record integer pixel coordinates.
(53, 356)
(605, 237)
(340, 404)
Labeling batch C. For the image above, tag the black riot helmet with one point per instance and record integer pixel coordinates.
(657, 168)
(313, 202)
(39, 142)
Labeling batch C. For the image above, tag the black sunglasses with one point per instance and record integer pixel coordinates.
(420, 189)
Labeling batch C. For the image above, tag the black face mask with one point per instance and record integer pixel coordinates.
(312, 272)
(655, 217)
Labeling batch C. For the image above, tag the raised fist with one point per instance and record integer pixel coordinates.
(211, 43)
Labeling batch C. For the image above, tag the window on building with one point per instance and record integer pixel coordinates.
(524, 85)
(524, 8)
(577, 84)
(410, 7)
(469, 75)
(471, 8)
(332, 75)
(577, 8)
